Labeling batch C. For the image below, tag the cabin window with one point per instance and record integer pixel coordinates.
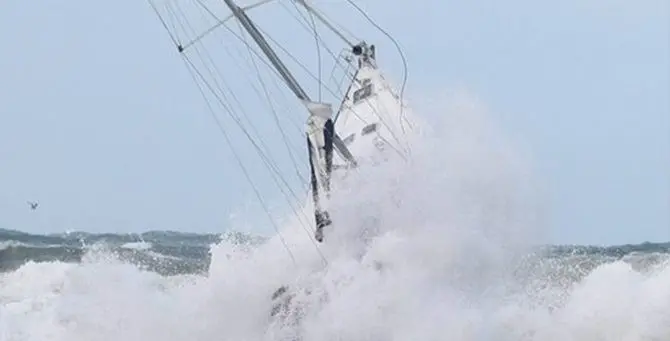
(364, 92)
(349, 139)
(369, 129)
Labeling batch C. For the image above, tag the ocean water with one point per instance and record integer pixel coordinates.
(451, 246)
(171, 253)
(175, 286)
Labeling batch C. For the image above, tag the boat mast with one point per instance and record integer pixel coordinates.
(249, 26)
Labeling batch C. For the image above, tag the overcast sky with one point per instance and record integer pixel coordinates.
(100, 122)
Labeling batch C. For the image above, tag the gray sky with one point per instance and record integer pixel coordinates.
(100, 122)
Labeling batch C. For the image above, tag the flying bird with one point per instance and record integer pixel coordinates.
(33, 205)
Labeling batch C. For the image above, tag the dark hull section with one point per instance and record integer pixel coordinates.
(320, 179)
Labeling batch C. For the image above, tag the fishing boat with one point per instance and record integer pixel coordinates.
(352, 119)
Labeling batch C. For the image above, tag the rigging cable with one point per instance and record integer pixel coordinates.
(192, 71)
